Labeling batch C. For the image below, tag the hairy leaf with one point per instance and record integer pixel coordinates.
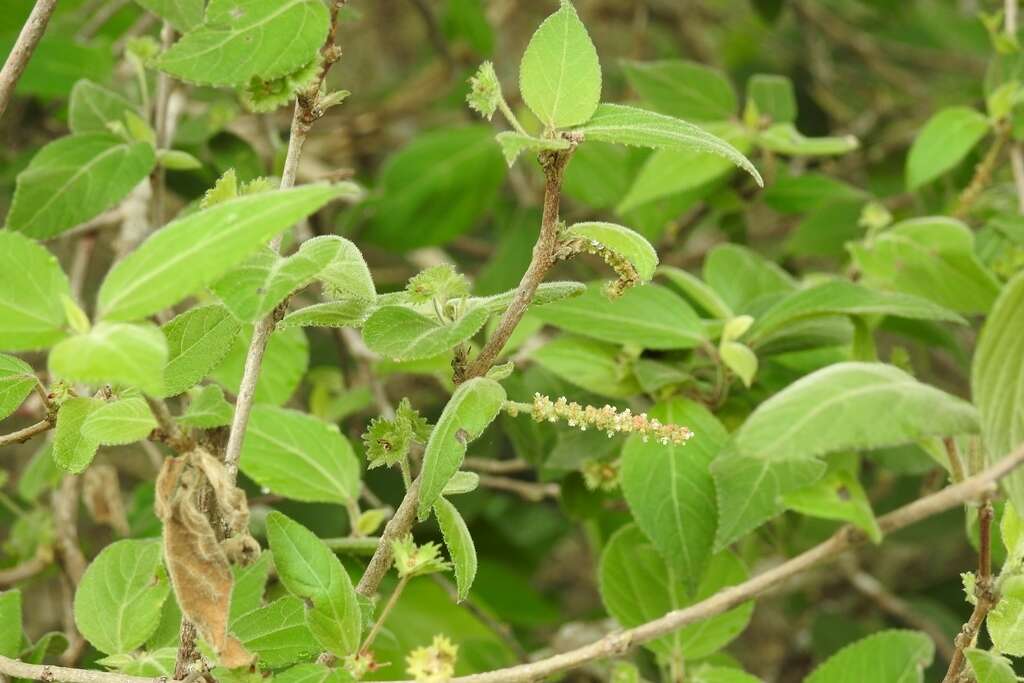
(277, 633)
(401, 333)
(119, 422)
(131, 354)
(621, 241)
(459, 543)
(514, 144)
(17, 379)
(207, 409)
(892, 656)
(197, 340)
(93, 107)
(72, 451)
(784, 138)
(32, 293)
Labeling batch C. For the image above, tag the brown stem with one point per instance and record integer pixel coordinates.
(985, 597)
(397, 527)
(983, 172)
(27, 569)
(388, 606)
(528, 490)
(30, 35)
(23, 435)
(554, 164)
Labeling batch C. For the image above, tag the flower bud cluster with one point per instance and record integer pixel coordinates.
(608, 420)
(434, 663)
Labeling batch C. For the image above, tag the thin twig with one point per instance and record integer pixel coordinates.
(30, 35)
(388, 606)
(397, 527)
(847, 538)
(23, 435)
(982, 172)
(496, 466)
(46, 672)
(27, 569)
(554, 164)
(528, 490)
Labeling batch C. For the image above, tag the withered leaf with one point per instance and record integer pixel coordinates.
(205, 527)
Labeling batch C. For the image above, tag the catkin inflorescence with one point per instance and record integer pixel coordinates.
(608, 420)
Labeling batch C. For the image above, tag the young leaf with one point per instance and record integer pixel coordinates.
(119, 422)
(989, 667)
(621, 241)
(459, 543)
(670, 491)
(31, 295)
(194, 251)
(347, 313)
(197, 340)
(252, 290)
(631, 126)
(684, 89)
(309, 570)
(346, 275)
(891, 656)
(118, 602)
(242, 39)
(299, 456)
(208, 409)
(932, 258)
(650, 316)
(546, 293)
(997, 374)
(514, 144)
(313, 673)
(851, 406)
(122, 353)
(17, 379)
(697, 291)
(402, 334)
(10, 623)
(472, 407)
(638, 586)
(284, 364)
(592, 365)
(93, 107)
(560, 75)
(277, 633)
(740, 359)
(945, 140)
(74, 179)
(784, 138)
(838, 495)
(839, 297)
(71, 450)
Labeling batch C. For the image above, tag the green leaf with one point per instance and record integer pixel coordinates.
(119, 422)
(740, 276)
(10, 623)
(773, 96)
(649, 316)
(402, 334)
(472, 407)
(1003, 624)
(890, 656)
(207, 409)
(670, 491)
(684, 89)
(721, 674)
(839, 495)
(637, 586)
(40, 474)
(839, 297)
(276, 633)
(943, 142)
(197, 340)
(621, 241)
(194, 251)
(93, 107)
(807, 192)
(31, 294)
(346, 275)
(997, 374)
(309, 570)
(250, 585)
(784, 138)
(631, 126)
(740, 359)
(459, 543)
(76, 178)
(514, 144)
(313, 673)
(546, 293)
(347, 313)
(697, 291)
(284, 364)
(437, 187)
(118, 353)
(931, 258)
(299, 456)
(17, 379)
(669, 172)
(560, 75)
(252, 290)
(71, 450)
(989, 667)
(118, 602)
(851, 406)
(242, 39)
(592, 365)
(183, 15)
